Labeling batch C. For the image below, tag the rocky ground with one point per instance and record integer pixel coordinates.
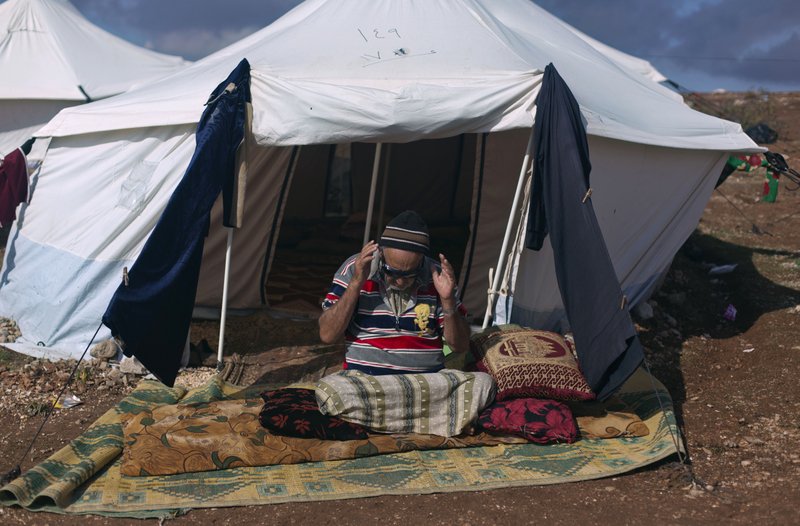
(733, 381)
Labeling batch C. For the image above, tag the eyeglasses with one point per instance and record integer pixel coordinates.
(396, 273)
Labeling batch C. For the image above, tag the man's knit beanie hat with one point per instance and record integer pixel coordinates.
(407, 231)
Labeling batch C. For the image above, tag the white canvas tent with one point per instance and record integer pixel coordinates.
(51, 58)
(639, 65)
(413, 75)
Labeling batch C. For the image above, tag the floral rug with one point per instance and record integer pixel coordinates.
(84, 477)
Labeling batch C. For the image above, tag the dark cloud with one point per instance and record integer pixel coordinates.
(168, 15)
(702, 44)
(753, 43)
(190, 28)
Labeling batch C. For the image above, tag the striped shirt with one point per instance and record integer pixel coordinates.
(377, 337)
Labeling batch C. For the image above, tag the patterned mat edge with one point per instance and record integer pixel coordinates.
(167, 513)
(46, 503)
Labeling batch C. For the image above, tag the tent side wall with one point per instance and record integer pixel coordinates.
(310, 175)
(647, 206)
(93, 204)
(498, 158)
(267, 169)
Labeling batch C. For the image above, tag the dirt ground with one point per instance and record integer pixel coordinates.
(734, 384)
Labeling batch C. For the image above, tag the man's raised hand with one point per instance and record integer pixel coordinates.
(363, 262)
(445, 281)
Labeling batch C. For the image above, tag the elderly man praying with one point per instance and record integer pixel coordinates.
(393, 304)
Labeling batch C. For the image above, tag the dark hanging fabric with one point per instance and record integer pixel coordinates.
(13, 185)
(151, 314)
(27, 145)
(608, 348)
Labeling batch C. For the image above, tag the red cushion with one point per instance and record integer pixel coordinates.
(530, 363)
(540, 421)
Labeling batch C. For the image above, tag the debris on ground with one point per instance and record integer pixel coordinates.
(106, 350)
(28, 390)
(9, 331)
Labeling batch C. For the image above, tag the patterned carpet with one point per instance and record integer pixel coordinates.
(84, 477)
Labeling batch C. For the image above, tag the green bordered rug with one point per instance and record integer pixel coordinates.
(84, 476)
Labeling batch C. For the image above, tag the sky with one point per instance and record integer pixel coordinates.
(703, 45)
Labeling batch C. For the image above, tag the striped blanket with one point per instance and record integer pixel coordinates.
(445, 403)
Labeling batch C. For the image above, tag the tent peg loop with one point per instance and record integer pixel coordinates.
(125, 279)
(623, 302)
(230, 88)
(587, 196)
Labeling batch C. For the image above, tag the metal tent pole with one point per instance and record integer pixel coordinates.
(375, 165)
(224, 312)
(498, 272)
(384, 184)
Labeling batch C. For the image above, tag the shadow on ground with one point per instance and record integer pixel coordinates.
(691, 303)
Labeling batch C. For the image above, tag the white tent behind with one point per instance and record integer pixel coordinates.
(51, 58)
(636, 64)
(344, 72)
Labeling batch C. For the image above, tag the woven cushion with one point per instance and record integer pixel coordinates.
(610, 419)
(445, 403)
(294, 413)
(529, 363)
(540, 421)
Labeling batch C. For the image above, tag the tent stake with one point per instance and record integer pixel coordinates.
(224, 311)
(375, 165)
(498, 272)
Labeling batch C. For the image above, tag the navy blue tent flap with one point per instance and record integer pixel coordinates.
(151, 313)
(608, 348)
